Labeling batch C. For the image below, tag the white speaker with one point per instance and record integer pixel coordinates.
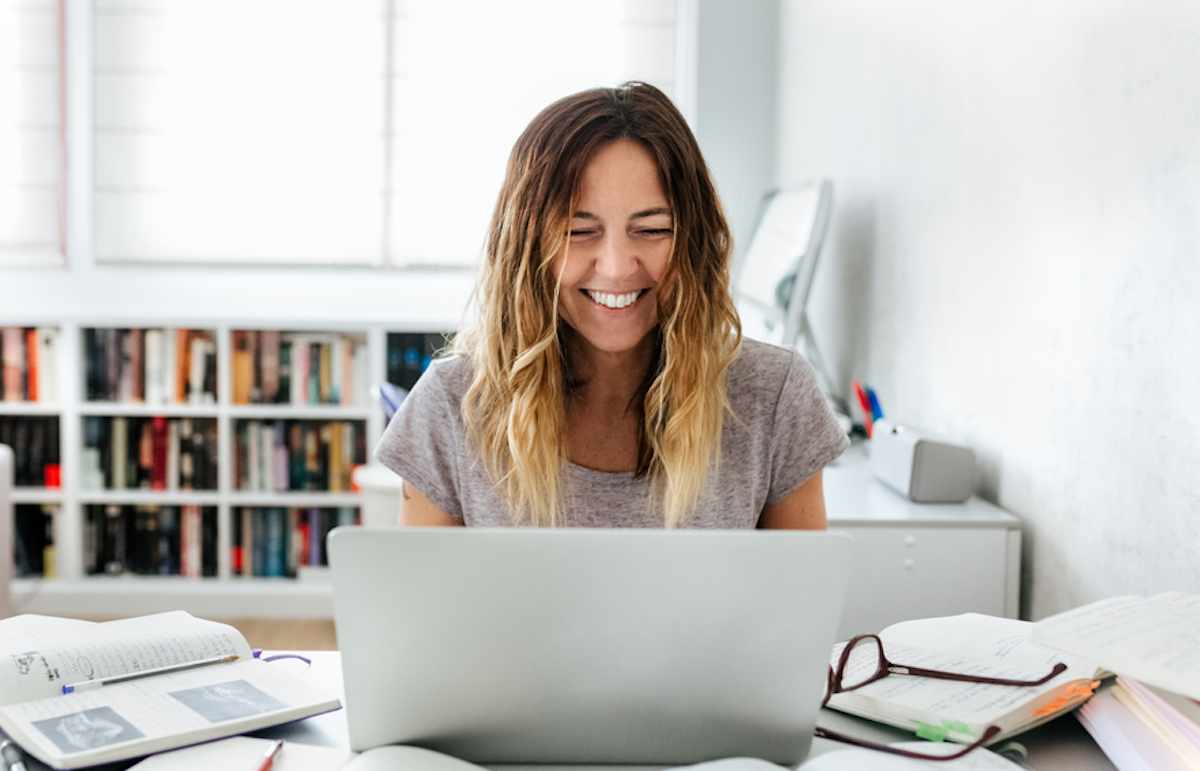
(6, 529)
(919, 468)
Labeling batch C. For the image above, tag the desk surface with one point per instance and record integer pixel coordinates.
(853, 496)
(1060, 745)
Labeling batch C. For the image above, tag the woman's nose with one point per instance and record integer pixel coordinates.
(618, 257)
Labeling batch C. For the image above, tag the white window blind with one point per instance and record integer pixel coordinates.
(31, 155)
(266, 131)
(242, 131)
(468, 78)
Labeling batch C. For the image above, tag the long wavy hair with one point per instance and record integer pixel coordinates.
(515, 408)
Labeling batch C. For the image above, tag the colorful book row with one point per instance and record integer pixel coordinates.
(273, 367)
(151, 366)
(150, 540)
(155, 453)
(278, 542)
(281, 455)
(29, 364)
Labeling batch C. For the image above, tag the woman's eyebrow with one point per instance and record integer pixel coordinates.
(587, 215)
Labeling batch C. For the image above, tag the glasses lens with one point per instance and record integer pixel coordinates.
(862, 664)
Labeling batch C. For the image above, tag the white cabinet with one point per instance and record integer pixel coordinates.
(916, 560)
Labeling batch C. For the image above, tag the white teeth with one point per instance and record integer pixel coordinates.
(616, 301)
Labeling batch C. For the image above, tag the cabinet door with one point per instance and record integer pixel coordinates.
(905, 573)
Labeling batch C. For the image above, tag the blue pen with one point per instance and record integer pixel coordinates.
(876, 410)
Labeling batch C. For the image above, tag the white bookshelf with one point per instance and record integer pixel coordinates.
(71, 592)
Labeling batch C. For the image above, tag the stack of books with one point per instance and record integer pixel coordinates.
(1140, 726)
(151, 366)
(1148, 717)
(29, 362)
(272, 367)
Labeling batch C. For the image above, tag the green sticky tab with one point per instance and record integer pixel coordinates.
(931, 733)
(955, 726)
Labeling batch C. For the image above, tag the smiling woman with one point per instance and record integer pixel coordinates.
(605, 381)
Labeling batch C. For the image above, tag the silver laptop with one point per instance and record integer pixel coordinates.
(586, 646)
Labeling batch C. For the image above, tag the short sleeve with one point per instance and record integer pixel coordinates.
(423, 442)
(805, 435)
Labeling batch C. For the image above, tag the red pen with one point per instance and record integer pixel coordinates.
(865, 403)
(269, 759)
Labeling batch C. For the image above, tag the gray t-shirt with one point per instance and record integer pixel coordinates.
(783, 433)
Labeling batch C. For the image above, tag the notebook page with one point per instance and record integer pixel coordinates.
(43, 657)
(162, 711)
(1155, 640)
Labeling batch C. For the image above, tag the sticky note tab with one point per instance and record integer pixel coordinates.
(932, 733)
(956, 727)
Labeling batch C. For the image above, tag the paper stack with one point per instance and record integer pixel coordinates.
(1149, 718)
(1140, 727)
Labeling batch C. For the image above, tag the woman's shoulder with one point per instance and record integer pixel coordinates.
(445, 380)
(759, 370)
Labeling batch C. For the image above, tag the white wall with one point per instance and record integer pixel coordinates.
(736, 105)
(1015, 256)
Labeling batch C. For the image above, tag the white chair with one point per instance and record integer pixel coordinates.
(6, 529)
(773, 281)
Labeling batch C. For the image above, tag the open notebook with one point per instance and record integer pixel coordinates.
(40, 655)
(976, 644)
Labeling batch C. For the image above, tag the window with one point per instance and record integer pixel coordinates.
(325, 132)
(31, 139)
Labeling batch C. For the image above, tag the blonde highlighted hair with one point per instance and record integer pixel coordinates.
(515, 408)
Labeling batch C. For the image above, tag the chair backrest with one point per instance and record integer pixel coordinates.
(774, 280)
(6, 529)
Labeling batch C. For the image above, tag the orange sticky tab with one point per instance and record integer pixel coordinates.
(1069, 693)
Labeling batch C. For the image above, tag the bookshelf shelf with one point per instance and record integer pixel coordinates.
(116, 409)
(300, 412)
(295, 499)
(151, 497)
(85, 367)
(37, 495)
(29, 408)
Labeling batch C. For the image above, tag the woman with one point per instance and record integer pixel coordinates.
(606, 381)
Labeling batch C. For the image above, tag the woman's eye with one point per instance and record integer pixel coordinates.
(655, 231)
(575, 233)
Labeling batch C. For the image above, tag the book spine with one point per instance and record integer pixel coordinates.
(13, 354)
(295, 542)
(276, 543)
(196, 371)
(247, 542)
(269, 356)
(336, 475)
(266, 456)
(137, 366)
(279, 457)
(152, 366)
(159, 440)
(207, 523)
(314, 537)
(169, 345)
(325, 383)
(254, 468)
(32, 365)
(48, 363)
(118, 454)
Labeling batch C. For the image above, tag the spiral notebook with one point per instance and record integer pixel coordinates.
(59, 701)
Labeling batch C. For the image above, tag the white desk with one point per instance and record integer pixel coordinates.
(1060, 745)
(916, 560)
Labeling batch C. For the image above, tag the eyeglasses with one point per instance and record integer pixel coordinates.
(863, 662)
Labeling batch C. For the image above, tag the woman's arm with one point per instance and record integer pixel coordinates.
(801, 509)
(416, 510)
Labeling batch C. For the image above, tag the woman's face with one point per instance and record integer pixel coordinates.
(618, 249)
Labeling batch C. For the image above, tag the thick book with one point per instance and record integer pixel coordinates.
(972, 644)
(150, 713)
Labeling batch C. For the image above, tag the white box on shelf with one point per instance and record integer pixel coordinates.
(921, 469)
